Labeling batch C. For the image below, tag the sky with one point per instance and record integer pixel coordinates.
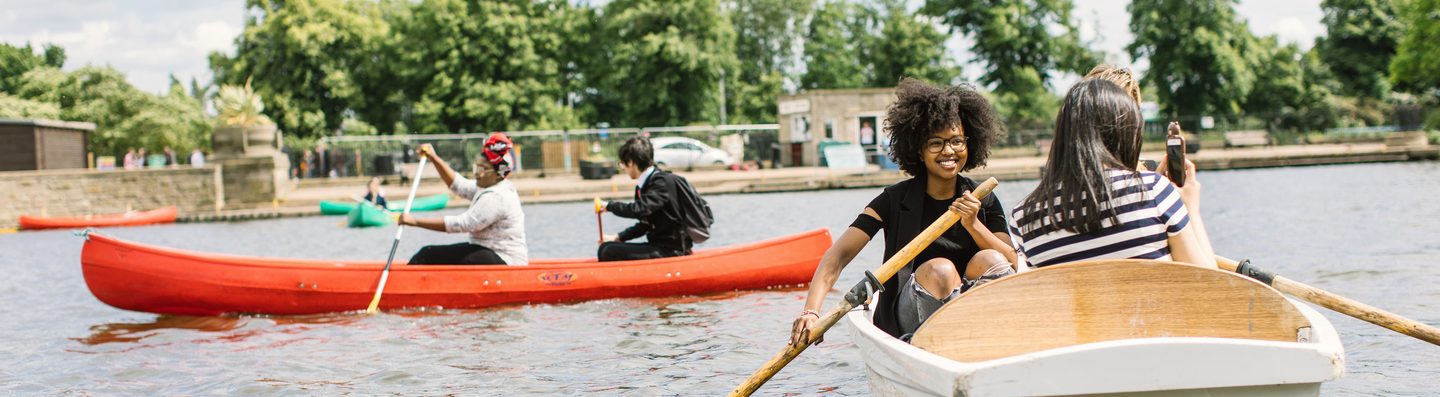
(150, 40)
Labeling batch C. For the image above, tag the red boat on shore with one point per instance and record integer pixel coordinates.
(146, 278)
(158, 215)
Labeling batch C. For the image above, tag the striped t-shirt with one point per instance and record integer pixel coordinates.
(1149, 211)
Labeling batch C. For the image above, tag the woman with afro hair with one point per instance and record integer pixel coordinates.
(935, 134)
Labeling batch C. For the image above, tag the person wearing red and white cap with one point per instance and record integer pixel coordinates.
(494, 221)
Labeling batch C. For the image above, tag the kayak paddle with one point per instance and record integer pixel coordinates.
(600, 224)
(385, 275)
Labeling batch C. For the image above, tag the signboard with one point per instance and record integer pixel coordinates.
(844, 157)
(795, 106)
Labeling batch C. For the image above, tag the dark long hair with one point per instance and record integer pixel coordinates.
(1098, 129)
(920, 110)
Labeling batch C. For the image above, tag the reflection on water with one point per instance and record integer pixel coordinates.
(1376, 243)
(125, 332)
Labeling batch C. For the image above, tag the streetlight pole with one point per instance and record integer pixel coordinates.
(722, 96)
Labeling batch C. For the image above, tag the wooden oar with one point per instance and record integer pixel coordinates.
(599, 224)
(385, 275)
(899, 260)
(1335, 302)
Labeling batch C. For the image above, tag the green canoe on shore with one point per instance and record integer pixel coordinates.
(427, 203)
(366, 215)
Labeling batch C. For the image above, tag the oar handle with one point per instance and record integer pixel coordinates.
(1341, 304)
(897, 261)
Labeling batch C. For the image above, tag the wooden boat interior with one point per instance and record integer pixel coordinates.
(1105, 300)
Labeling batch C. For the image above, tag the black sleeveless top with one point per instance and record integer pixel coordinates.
(906, 210)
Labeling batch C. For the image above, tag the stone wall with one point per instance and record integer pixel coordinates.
(254, 181)
(80, 192)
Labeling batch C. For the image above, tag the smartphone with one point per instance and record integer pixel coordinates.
(1175, 155)
(1150, 165)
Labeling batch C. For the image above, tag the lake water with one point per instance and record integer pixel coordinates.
(1369, 232)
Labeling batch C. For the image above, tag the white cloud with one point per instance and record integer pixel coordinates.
(146, 40)
(1292, 30)
(211, 36)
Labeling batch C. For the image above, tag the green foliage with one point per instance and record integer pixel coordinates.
(15, 61)
(766, 34)
(307, 58)
(1023, 44)
(1200, 54)
(908, 46)
(124, 116)
(834, 47)
(17, 108)
(1361, 37)
(487, 65)
(663, 60)
(853, 46)
(1416, 68)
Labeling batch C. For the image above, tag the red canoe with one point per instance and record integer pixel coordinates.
(158, 215)
(153, 279)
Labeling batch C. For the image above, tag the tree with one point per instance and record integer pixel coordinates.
(766, 34)
(662, 61)
(15, 61)
(487, 65)
(19, 108)
(1023, 45)
(1279, 78)
(1415, 67)
(1199, 52)
(909, 46)
(1361, 37)
(303, 57)
(125, 117)
(834, 47)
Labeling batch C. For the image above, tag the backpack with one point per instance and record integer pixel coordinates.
(695, 215)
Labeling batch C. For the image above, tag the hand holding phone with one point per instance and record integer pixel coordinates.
(1175, 155)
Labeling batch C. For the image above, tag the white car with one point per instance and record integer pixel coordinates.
(682, 152)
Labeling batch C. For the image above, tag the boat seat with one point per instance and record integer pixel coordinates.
(1104, 300)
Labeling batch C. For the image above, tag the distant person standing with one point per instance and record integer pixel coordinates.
(170, 160)
(140, 159)
(129, 161)
(655, 206)
(197, 158)
(307, 164)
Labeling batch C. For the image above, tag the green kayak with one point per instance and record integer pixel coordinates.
(366, 215)
(336, 207)
(428, 203)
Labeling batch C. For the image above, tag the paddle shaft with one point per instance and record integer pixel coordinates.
(896, 262)
(399, 231)
(599, 222)
(1337, 303)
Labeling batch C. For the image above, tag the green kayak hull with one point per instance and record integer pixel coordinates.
(428, 203)
(366, 215)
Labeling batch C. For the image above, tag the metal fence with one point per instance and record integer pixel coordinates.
(548, 151)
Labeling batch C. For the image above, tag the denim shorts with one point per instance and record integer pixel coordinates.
(914, 304)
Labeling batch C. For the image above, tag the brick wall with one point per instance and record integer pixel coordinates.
(80, 192)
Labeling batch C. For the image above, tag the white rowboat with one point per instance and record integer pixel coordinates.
(1142, 328)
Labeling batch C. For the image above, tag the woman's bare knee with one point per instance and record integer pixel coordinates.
(983, 261)
(938, 276)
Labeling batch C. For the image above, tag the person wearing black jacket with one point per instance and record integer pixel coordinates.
(655, 206)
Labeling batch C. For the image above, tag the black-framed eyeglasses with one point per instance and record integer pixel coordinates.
(481, 169)
(937, 145)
